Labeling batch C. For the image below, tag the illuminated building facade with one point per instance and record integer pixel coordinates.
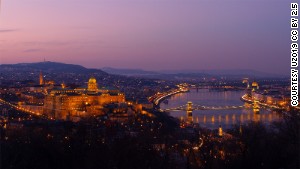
(92, 85)
(276, 97)
(66, 103)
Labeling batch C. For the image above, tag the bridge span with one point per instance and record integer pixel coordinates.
(190, 107)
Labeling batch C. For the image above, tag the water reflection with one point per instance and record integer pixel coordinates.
(231, 119)
(214, 118)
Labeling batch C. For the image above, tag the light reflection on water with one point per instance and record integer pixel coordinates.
(213, 118)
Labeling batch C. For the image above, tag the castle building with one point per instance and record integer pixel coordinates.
(65, 103)
(92, 85)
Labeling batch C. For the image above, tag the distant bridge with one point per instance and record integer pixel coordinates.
(190, 107)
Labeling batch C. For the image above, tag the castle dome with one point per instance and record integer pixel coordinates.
(92, 80)
(254, 84)
(92, 84)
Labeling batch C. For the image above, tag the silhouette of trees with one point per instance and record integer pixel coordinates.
(93, 144)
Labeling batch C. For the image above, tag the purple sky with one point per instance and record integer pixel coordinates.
(149, 34)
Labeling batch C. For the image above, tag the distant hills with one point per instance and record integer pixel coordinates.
(129, 72)
(59, 72)
(49, 67)
(58, 68)
(233, 73)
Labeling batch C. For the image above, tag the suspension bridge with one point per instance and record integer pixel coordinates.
(190, 107)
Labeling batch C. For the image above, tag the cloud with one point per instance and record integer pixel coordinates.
(7, 30)
(61, 43)
(51, 43)
(31, 50)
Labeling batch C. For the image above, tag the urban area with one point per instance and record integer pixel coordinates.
(56, 115)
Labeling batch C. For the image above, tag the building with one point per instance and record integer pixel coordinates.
(65, 103)
(272, 97)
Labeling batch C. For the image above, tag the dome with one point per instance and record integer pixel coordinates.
(254, 84)
(92, 80)
(92, 84)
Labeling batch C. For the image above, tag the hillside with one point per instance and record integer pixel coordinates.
(49, 67)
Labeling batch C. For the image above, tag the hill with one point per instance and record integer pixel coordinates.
(185, 74)
(49, 67)
(58, 72)
(129, 72)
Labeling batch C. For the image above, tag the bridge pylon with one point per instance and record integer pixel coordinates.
(189, 112)
(189, 106)
(256, 107)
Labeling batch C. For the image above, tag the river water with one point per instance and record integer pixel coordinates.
(214, 118)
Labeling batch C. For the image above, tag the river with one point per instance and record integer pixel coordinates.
(212, 119)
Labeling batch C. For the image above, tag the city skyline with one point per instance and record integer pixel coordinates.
(149, 84)
(149, 35)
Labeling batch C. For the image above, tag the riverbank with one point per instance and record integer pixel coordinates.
(247, 99)
(159, 97)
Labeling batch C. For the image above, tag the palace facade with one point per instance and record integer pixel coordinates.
(65, 103)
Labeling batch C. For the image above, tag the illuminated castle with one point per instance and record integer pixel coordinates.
(66, 103)
(92, 85)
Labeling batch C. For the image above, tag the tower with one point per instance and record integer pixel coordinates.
(189, 112)
(92, 84)
(41, 78)
(256, 106)
(255, 86)
(220, 131)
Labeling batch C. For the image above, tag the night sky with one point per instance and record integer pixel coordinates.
(149, 34)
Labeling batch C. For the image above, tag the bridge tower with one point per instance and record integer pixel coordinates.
(255, 106)
(189, 112)
(220, 131)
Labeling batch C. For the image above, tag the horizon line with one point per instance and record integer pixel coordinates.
(154, 71)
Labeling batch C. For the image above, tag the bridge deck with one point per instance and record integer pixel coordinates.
(198, 107)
